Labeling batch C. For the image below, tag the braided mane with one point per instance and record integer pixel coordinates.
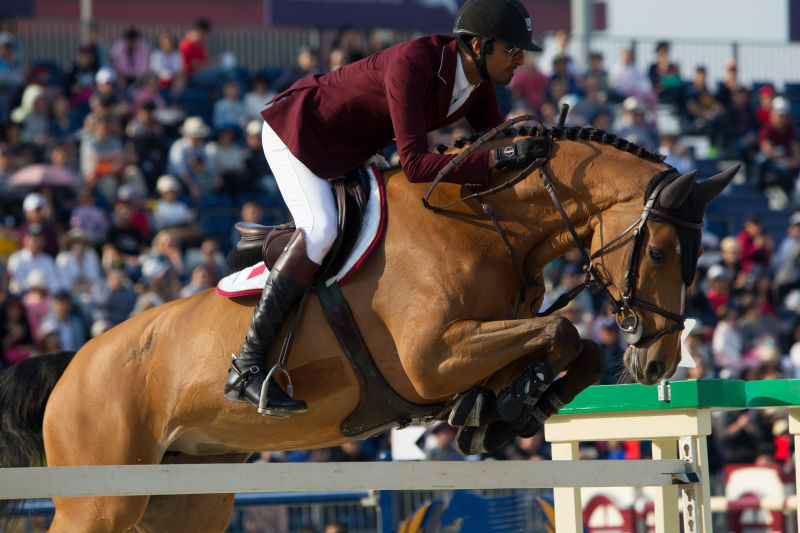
(571, 134)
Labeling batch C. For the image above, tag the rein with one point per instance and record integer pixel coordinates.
(628, 321)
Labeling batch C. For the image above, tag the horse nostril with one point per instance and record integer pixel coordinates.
(654, 371)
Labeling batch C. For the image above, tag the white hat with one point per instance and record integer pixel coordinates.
(781, 105)
(6, 38)
(168, 183)
(105, 75)
(717, 272)
(254, 127)
(631, 103)
(33, 202)
(36, 280)
(194, 127)
(48, 327)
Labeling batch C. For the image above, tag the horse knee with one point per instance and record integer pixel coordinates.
(565, 339)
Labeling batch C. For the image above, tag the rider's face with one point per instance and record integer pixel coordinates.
(501, 63)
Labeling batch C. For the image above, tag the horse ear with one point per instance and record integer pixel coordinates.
(715, 184)
(675, 193)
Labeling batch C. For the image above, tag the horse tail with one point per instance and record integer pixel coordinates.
(24, 390)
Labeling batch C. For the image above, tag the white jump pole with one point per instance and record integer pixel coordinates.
(132, 480)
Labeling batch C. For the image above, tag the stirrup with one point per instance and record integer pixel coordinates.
(263, 399)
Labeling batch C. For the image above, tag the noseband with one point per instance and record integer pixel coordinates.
(628, 321)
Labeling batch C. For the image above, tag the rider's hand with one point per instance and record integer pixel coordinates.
(519, 154)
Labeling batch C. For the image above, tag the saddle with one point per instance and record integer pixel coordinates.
(380, 408)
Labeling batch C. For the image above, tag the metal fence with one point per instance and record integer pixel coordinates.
(259, 47)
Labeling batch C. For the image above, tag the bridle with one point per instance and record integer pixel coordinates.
(628, 321)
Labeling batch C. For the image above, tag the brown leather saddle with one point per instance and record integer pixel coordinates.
(380, 408)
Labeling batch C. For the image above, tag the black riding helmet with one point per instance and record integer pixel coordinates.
(503, 20)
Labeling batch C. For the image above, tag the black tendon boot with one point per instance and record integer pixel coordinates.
(523, 393)
(287, 281)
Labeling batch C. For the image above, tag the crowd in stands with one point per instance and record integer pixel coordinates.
(148, 166)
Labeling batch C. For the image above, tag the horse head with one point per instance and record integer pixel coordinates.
(648, 263)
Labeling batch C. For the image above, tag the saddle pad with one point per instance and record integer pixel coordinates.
(251, 280)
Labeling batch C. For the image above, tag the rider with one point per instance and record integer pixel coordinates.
(326, 125)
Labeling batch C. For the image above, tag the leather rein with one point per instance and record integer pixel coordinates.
(629, 323)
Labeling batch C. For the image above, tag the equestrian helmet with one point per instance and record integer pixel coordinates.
(503, 20)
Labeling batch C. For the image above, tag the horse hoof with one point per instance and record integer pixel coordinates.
(469, 440)
(474, 408)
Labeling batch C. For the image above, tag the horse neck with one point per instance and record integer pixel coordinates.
(589, 179)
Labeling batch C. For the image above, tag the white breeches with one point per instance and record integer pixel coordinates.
(308, 197)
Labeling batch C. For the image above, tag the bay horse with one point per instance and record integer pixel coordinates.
(436, 303)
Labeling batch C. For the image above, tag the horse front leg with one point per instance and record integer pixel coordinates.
(471, 351)
(580, 373)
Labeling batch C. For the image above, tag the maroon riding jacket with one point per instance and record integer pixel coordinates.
(334, 122)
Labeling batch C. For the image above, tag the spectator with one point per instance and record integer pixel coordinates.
(755, 246)
(71, 329)
(350, 42)
(258, 96)
(336, 59)
(307, 64)
(729, 85)
(108, 100)
(608, 339)
(192, 48)
(256, 166)
(766, 94)
(719, 290)
(704, 113)
(740, 127)
(160, 284)
(37, 211)
(78, 266)
(676, 153)
(443, 444)
(102, 157)
(229, 110)
(665, 76)
(89, 218)
(727, 345)
(148, 144)
(36, 301)
(34, 115)
(64, 122)
(148, 91)
(16, 340)
(557, 48)
(139, 214)
(166, 247)
(210, 256)
(170, 212)
(79, 80)
(528, 84)
(562, 71)
(227, 159)
(786, 261)
(11, 74)
(98, 49)
(625, 78)
(200, 281)
(49, 338)
(190, 145)
(634, 127)
(21, 152)
(32, 258)
(130, 56)
(250, 212)
(593, 101)
(112, 299)
(124, 241)
(165, 61)
(597, 69)
(778, 159)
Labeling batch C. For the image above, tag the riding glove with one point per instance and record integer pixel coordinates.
(519, 154)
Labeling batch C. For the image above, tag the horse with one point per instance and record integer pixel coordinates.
(440, 306)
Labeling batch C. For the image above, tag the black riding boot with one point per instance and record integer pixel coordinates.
(287, 281)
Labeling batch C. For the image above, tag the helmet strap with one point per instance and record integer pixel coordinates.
(480, 61)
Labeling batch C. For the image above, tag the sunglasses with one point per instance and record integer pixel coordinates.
(512, 51)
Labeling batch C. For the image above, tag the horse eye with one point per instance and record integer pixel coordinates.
(657, 254)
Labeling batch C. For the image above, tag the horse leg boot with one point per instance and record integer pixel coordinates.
(581, 372)
(292, 273)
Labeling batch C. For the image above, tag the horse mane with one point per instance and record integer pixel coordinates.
(573, 133)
